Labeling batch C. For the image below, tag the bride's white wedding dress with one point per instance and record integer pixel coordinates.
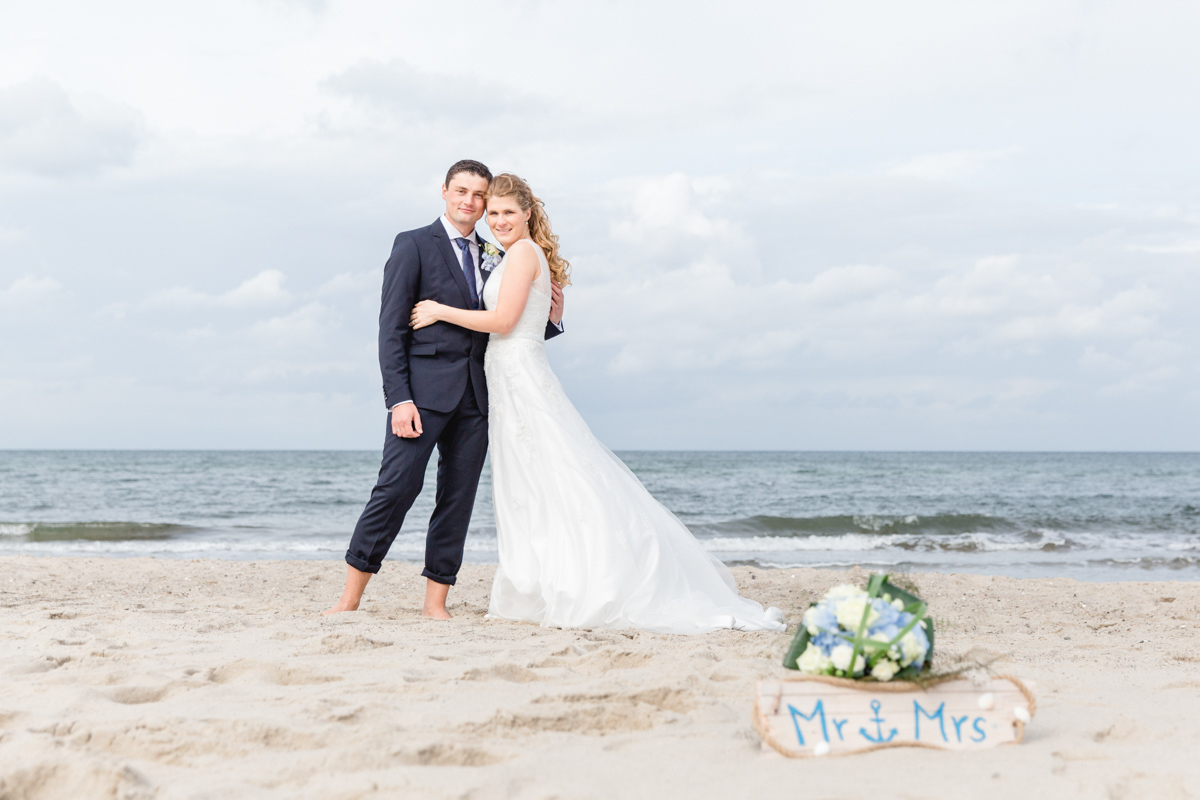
(582, 543)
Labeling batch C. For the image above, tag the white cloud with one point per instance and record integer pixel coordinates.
(411, 94)
(304, 325)
(352, 283)
(841, 284)
(205, 332)
(663, 209)
(28, 289)
(264, 289)
(311, 6)
(45, 131)
(950, 165)
(1127, 314)
(1144, 382)
(1185, 247)
(113, 312)
(715, 319)
(991, 285)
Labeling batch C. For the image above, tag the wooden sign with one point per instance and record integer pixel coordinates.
(814, 715)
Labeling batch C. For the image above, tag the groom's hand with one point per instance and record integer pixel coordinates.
(406, 421)
(556, 302)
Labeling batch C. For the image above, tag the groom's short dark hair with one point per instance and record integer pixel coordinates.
(467, 165)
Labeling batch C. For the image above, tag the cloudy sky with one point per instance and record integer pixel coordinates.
(798, 225)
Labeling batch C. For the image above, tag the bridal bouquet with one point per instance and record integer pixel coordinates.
(880, 633)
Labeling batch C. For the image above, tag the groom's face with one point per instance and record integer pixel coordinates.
(464, 198)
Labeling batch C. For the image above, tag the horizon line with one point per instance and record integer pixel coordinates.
(615, 450)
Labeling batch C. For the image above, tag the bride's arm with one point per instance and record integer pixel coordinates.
(520, 268)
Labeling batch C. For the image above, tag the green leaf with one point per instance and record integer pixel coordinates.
(892, 592)
(799, 643)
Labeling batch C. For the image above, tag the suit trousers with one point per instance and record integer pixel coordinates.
(461, 440)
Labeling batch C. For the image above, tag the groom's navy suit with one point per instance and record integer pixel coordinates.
(440, 369)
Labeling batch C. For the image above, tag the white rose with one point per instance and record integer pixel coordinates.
(812, 661)
(840, 657)
(898, 604)
(809, 620)
(850, 612)
(884, 670)
(844, 590)
(910, 649)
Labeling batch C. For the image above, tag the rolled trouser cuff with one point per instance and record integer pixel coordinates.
(360, 565)
(448, 580)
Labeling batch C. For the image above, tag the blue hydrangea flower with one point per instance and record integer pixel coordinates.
(826, 641)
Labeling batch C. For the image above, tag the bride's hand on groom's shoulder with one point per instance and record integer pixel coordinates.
(424, 313)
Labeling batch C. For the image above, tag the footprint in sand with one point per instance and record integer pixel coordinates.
(1139, 785)
(44, 664)
(189, 742)
(502, 672)
(136, 695)
(608, 637)
(243, 671)
(1123, 730)
(606, 660)
(51, 780)
(665, 698)
(607, 713)
(592, 721)
(339, 643)
(449, 755)
(597, 662)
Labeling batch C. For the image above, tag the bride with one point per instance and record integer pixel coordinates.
(582, 543)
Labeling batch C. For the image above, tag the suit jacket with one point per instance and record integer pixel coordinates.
(429, 366)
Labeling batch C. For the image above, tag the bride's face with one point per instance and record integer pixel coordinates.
(508, 221)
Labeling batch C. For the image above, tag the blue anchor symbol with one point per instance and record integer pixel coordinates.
(878, 720)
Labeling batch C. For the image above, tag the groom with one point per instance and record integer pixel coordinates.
(435, 391)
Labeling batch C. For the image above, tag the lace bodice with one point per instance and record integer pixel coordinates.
(532, 324)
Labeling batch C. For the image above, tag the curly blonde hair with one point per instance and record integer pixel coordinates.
(508, 185)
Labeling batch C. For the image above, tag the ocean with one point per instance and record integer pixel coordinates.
(1091, 516)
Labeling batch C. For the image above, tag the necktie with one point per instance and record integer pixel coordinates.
(468, 268)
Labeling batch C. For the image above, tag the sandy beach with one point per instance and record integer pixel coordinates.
(144, 678)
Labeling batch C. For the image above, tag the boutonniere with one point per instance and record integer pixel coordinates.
(491, 256)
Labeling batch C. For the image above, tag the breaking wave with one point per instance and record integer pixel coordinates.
(91, 531)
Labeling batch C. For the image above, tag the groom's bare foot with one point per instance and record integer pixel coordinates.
(435, 600)
(340, 606)
(356, 583)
